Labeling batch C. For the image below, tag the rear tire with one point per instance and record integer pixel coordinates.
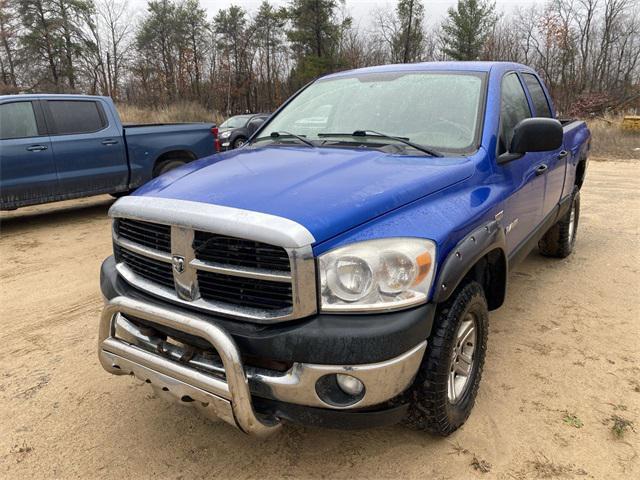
(166, 165)
(558, 242)
(442, 397)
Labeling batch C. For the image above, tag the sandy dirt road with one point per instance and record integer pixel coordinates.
(563, 364)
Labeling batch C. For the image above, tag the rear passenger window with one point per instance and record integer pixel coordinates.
(537, 95)
(17, 120)
(513, 109)
(73, 116)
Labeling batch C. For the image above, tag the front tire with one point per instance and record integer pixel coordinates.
(238, 142)
(447, 382)
(559, 240)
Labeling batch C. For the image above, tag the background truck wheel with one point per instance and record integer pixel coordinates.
(166, 165)
(238, 142)
(120, 194)
(559, 240)
(446, 385)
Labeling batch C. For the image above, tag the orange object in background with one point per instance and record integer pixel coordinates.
(630, 122)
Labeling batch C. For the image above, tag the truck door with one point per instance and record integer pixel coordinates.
(27, 169)
(524, 176)
(555, 160)
(88, 147)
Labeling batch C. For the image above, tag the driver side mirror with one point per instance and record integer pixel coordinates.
(254, 125)
(534, 135)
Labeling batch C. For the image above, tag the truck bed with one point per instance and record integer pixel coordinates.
(138, 125)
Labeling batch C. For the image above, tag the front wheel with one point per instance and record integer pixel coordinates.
(447, 382)
(238, 142)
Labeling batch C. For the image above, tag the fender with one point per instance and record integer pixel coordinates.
(484, 239)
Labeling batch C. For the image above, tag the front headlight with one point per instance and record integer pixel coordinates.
(225, 134)
(376, 275)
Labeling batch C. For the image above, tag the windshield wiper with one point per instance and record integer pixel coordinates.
(282, 133)
(373, 133)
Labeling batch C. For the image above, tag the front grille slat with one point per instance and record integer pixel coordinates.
(153, 270)
(245, 289)
(151, 235)
(247, 292)
(237, 252)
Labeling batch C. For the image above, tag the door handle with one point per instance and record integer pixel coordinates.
(109, 142)
(36, 148)
(541, 169)
(562, 154)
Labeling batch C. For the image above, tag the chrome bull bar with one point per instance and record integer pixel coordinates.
(230, 399)
(221, 389)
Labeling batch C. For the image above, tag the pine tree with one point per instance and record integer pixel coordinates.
(315, 37)
(268, 25)
(156, 42)
(231, 27)
(408, 40)
(467, 28)
(8, 29)
(40, 39)
(194, 19)
(69, 15)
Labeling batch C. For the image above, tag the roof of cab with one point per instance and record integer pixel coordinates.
(49, 96)
(434, 67)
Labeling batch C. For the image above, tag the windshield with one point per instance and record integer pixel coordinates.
(236, 122)
(438, 110)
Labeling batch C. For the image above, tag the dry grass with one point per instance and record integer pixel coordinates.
(619, 425)
(480, 465)
(176, 113)
(572, 420)
(542, 467)
(609, 140)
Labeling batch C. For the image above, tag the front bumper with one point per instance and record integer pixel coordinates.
(228, 396)
(254, 399)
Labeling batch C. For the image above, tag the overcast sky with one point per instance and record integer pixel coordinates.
(360, 10)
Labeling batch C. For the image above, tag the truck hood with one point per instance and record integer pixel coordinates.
(328, 190)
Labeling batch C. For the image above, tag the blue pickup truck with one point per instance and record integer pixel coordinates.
(339, 268)
(58, 147)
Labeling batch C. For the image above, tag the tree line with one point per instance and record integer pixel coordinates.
(588, 51)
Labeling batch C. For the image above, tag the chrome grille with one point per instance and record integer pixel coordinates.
(238, 277)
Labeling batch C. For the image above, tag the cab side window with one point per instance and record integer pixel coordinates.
(538, 97)
(513, 109)
(17, 120)
(74, 116)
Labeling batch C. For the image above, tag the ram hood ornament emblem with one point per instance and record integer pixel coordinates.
(178, 263)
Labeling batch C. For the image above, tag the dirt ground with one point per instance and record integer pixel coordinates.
(561, 381)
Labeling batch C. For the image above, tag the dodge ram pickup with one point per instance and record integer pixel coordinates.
(58, 147)
(340, 271)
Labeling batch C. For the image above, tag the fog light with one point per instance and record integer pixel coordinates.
(349, 385)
